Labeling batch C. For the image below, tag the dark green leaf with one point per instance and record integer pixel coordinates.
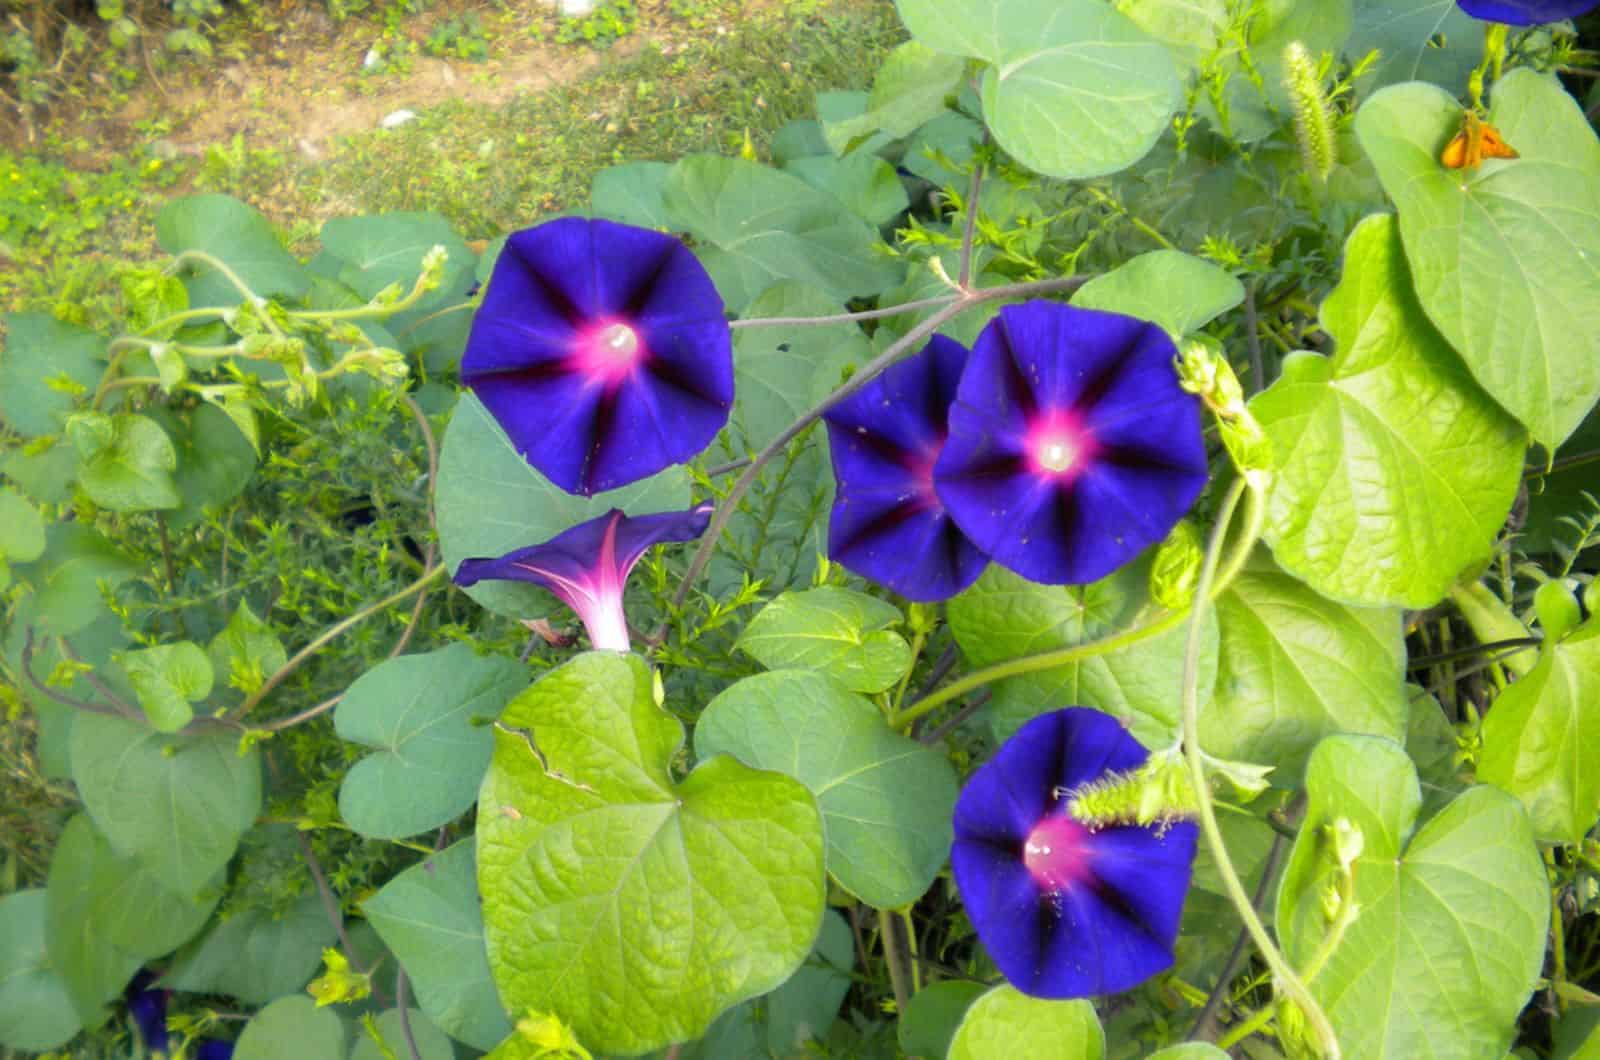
(935, 1011)
(36, 1011)
(631, 193)
(227, 229)
(1176, 290)
(293, 1028)
(46, 368)
(256, 955)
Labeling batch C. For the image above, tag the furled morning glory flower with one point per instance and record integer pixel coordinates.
(602, 351)
(587, 565)
(888, 524)
(149, 1011)
(1066, 910)
(1072, 446)
(1525, 12)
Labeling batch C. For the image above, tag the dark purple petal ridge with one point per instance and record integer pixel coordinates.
(1065, 910)
(1526, 12)
(602, 351)
(587, 565)
(1072, 447)
(888, 523)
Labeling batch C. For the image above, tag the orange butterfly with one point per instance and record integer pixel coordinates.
(1476, 141)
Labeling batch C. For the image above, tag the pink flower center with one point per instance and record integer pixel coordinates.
(1056, 446)
(1057, 853)
(608, 352)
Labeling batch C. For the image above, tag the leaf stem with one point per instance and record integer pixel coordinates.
(1284, 976)
(891, 954)
(232, 277)
(845, 318)
(333, 631)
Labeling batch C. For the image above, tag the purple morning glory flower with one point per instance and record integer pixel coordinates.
(602, 351)
(149, 1011)
(1525, 12)
(1066, 910)
(888, 523)
(587, 565)
(1072, 447)
(211, 1049)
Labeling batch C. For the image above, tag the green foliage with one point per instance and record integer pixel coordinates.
(429, 717)
(1366, 439)
(836, 632)
(886, 800)
(36, 1010)
(1005, 1021)
(582, 761)
(291, 1027)
(1463, 890)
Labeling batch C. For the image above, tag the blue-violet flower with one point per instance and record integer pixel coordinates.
(1072, 447)
(587, 565)
(888, 523)
(1525, 12)
(1066, 910)
(602, 351)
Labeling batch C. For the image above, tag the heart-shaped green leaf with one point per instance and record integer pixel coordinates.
(1506, 256)
(167, 679)
(839, 632)
(1074, 88)
(1450, 931)
(256, 955)
(1176, 290)
(292, 1028)
(1004, 616)
(1541, 739)
(1006, 1023)
(429, 916)
(36, 1011)
(228, 230)
(886, 800)
(428, 715)
(1395, 471)
(761, 226)
(634, 907)
(46, 368)
(128, 461)
(1294, 667)
(178, 804)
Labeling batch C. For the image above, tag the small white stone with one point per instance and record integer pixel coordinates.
(397, 119)
(373, 58)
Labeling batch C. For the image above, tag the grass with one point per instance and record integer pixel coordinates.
(713, 74)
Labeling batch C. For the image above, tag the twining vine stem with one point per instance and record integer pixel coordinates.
(1284, 976)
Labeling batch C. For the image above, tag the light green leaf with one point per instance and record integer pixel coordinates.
(1450, 933)
(167, 679)
(838, 632)
(256, 955)
(491, 501)
(948, 140)
(631, 193)
(177, 804)
(292, 1028)
(1541, 738)
(886, 800)
(46, 367)
(92, 968)
(930, 1020)
(36, 1011)
(1417, 40)
(428, 715)
(21, 528)
(77, 561)
(1190, 28)
(46, 473)
(780, 373)
(1005, 1023)
(1395, 472)
(128, 461)
(1176, 290)
(1505, 257)
(1004, 616)
(633, 907)
(761, 226)
(429, 916)
(238, 236)
(1075, 89)
(431, 1045)
(909, 89)
(1294, 667)
(865, 183)
(246, 652)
